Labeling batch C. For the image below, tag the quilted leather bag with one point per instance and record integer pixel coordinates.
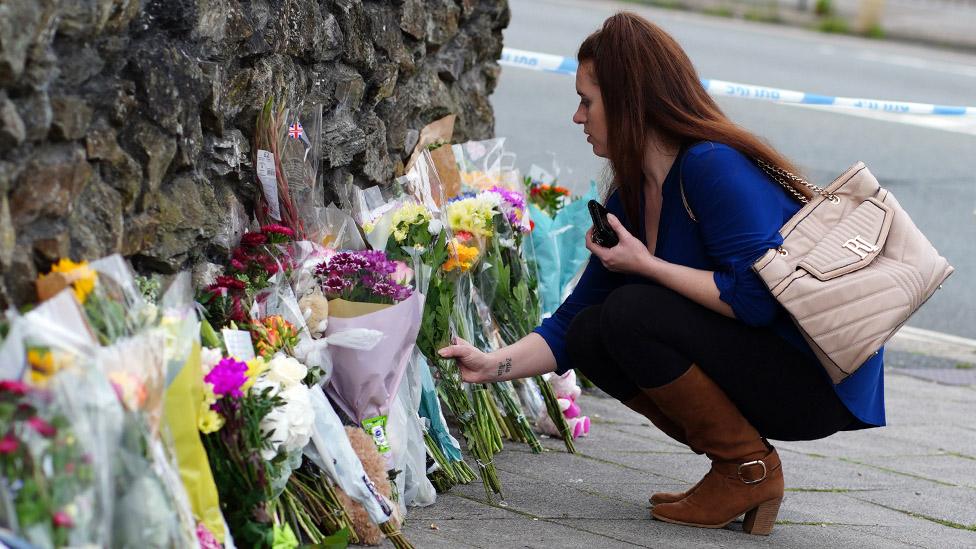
(852, 269)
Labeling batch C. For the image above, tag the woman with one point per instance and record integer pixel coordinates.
(672, 321)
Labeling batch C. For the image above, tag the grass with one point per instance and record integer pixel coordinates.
(964, 366)
(833, 25)
(719, 11)
(762, 15)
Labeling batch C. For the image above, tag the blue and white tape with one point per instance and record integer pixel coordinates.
(512, 57)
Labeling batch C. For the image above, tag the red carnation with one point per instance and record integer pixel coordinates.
(251, 240)
(15, 387)
(43, 428)
(275, 228)
(62, 520)
(9, 444)
(227, 282)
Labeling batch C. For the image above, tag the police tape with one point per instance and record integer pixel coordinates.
(525, 59)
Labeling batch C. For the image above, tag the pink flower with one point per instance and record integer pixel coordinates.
(9, 444)
(43, 428)
(275, 228)
(62, 520)
(206, 538)
(251, 240)
(227, 377)
(14, 387)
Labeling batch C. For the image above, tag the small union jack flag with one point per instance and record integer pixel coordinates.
(295, 130)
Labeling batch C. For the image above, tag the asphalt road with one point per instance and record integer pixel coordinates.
(931, 171)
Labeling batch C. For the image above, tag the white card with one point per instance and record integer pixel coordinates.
(238, 344)
(269, 181)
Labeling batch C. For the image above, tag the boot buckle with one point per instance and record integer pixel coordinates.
(750, 464)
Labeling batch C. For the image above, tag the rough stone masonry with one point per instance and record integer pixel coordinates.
(126, 125)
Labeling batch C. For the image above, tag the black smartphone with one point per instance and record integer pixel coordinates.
(603, 233)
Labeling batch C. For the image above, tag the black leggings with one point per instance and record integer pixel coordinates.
(646, 336)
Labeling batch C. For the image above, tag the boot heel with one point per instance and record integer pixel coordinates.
(759, 521)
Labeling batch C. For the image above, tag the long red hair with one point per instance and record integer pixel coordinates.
(647, 83)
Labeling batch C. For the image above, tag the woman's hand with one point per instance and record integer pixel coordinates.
(629, 256)
(475, 365)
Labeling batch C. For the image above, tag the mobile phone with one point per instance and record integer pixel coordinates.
(603, 233)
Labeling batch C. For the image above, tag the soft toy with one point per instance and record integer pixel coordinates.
(375, 468)
(567, 391)
(315, 309)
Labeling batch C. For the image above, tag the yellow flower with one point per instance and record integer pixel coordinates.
(79, 275)
(368, 227)
(462, 257)
(209, 421)
(42, 366)
(255, 367)
(473, 215)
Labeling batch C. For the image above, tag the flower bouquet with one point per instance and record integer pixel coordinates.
(278, 145)
(248, 430)
(364, 294)
(508, 287)
(49, 479)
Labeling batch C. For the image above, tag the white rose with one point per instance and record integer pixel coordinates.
(300, 417)
(286, 370)
(209, 358)
(434, 226)
(275, 424)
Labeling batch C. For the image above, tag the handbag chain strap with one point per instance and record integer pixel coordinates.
(784, 178)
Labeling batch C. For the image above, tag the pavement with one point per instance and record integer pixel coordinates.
(911, 483)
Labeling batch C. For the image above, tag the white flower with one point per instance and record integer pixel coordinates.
(491, 198)
(289, 426)
(209, 358)
(435, 226)
(286, 370)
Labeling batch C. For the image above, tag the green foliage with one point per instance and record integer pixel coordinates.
(824, 8)
(834, 25)
(719, 11)
(875, 31)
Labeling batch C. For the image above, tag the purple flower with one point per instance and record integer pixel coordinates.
(227, 377)
(513, 198)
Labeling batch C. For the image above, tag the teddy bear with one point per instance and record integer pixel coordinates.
(374, 467)
(315, 309)
(567, 391)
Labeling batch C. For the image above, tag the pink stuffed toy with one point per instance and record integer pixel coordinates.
(567, 392)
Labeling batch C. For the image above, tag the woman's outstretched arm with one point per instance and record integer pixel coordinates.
(529, 356)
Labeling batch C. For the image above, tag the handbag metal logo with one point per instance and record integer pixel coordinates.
(860, 246)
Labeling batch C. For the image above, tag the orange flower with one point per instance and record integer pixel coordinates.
(462, 257)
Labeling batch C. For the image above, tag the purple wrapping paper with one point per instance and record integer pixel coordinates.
(364, 383)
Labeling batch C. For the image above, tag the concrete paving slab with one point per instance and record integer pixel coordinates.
(856, 444)
(948, 469)
(918, 535)
(519, 532)
(875, 488)
(950, 505)
(836, 509)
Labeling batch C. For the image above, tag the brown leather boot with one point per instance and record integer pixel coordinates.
(746, 475)
(642, 404)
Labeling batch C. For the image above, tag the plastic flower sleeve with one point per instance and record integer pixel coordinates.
(331, 451)
(184, 395)
(54, 340)
(365, 382)
(334, 228)
(412, 458)
(300, 148)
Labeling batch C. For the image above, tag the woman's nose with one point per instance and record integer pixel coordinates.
(578, 117)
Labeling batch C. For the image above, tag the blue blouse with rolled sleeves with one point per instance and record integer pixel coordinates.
(739, 212)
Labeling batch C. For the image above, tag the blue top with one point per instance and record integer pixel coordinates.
(740, 211)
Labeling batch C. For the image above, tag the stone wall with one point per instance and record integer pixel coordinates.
(125, 125)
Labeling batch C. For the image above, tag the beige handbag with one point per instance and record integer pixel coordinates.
(852, 269)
